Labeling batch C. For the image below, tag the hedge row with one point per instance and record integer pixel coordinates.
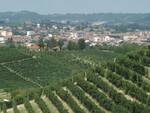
(139, 58)
(4, 108)
(15, 106)
(54, 99)
(80, 94)
(135, 66)
(129, 75)
(128, 87)
(70, 101)
(42, 105)
(102, 99)
(28, 106)
(118, 97)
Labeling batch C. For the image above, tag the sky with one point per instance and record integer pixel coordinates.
(76, 6)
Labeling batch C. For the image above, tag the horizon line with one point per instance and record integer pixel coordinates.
(75, 12)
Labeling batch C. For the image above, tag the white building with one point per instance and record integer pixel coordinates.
(87, 41)
(92, 44)
(38, 26)
(2, 40)
(50, 35)
(29, 33)
(1, 27)
(73, 36)
(54, 27)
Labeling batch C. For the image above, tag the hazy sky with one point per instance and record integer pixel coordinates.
(76, 6)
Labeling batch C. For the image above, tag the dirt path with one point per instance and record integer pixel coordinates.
(22, 108)
(10, 110)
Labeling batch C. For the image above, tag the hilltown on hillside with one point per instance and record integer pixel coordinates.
(93, 34)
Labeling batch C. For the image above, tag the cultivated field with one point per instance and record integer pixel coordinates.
(121, 84)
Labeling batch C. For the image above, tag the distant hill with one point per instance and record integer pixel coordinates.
(106, 17)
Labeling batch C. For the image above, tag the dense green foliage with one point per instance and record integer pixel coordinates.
(137, 67)
(82, 44)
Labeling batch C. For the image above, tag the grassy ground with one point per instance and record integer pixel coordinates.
(10, 80)
(11, 54)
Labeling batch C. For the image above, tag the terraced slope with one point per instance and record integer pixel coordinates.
(94, 95)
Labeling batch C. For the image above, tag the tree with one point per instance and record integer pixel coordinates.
(72, 45)
(53, 42)
(4, 108)
(41, 43)
(9, 42)
(149, 47)
(61, 43)
(81, 43)
(48, 43)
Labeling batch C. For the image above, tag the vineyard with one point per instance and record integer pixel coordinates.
(34, 70)
(119, 85)
(20, 68)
